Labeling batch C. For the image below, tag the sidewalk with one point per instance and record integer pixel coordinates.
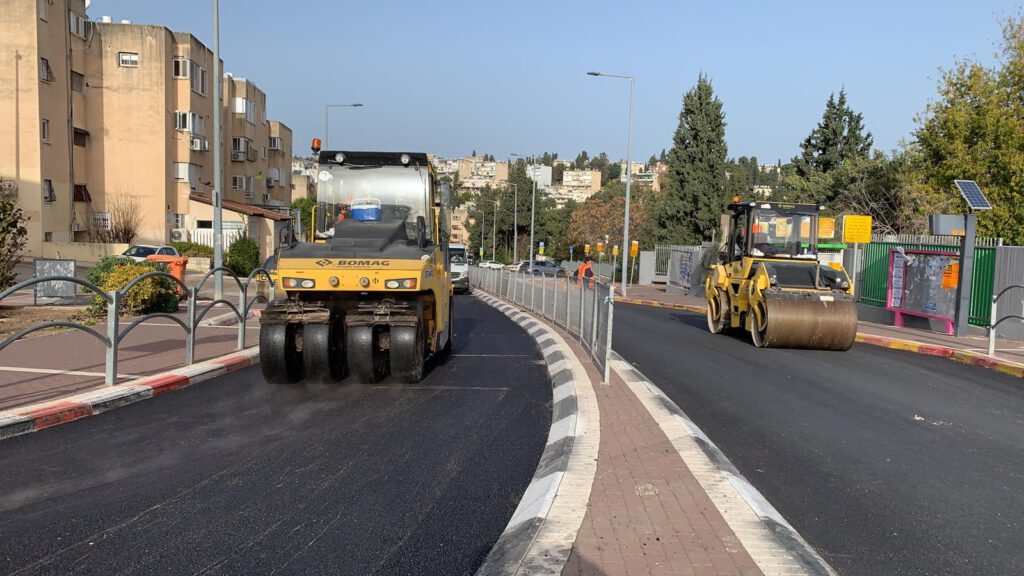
(972, 349)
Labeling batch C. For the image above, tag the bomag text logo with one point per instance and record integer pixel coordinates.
(324, 262)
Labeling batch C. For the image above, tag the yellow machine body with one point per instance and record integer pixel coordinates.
(769, 282)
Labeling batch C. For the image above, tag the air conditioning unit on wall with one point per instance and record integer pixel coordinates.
(179, 235)
(238, 156)
(200, 144)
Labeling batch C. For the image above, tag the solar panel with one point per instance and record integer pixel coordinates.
(972, 195)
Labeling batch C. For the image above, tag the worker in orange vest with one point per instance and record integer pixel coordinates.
(586, 270)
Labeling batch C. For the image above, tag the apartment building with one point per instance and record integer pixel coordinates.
(303, 178)
(540, 174)
(476, 173)
(460, 221)
(581, 181)
(106, 120)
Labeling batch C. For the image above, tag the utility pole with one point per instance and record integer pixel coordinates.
(218, 190)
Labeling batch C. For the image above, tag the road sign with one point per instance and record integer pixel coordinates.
(481, 251)
(634, 249)
(615, 250)
(857, 229)
(586, 249)
(600, 247)
(541, 249)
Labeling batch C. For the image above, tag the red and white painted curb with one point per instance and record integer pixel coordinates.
(34, 417)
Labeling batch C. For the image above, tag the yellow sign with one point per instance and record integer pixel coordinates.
(857, 229)
(634, 249)
(600, 247)
(951, 276)
(540, 250)
(615, 250)
(782, 227)
(827, 228)
(586, 248)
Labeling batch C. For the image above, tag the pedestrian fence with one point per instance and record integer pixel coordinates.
(687, 267)
(994, 314)
(115, 334)
(662, 254)
(582, 307)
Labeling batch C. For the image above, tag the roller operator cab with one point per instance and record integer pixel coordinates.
(768, 281)
(372, 293)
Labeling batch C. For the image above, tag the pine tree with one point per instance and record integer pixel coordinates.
(695, 194)
(839, 137)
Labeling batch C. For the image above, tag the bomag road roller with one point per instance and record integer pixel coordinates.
(768, 281)
(372, 292)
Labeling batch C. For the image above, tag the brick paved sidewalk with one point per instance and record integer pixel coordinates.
(647, 513)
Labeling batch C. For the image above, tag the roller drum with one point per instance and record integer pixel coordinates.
(806, 322)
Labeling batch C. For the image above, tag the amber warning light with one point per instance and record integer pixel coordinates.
(315, 145)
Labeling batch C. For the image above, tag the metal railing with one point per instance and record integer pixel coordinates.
(583, 307)
(194, 313)
(662, 253)
(993, 322)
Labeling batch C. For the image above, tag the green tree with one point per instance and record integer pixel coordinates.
(695, 184)
(975, 130)
(305, 206)
(839, 136)
(582, 160)
(13, 236)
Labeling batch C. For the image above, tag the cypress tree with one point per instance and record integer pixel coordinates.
(839, 137)
(695, 194)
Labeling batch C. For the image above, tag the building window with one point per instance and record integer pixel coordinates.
(184, 68)
(275, 142)
(47, 236)
(264, 153)
(101, 220)
(77, 82)
(81, 137)
(198, 79)
(128, 59)
(44, 130)
(82, 193)
(240, 145)
(45, 72)
(238, 182)
(48, 194)
(180, 220)
(189, 121)
(180, 68)
(79, 25)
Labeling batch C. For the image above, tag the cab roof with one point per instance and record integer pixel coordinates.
(357, 158)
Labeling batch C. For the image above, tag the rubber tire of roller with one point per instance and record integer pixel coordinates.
(407, 353)
(365, 362)
(759, 336)
(280, 361)
(323, 354)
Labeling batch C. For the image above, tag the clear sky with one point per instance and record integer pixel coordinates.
(449, 77)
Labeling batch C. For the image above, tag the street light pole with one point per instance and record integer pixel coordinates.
(327, 132)
(218, 175)
(629, 178)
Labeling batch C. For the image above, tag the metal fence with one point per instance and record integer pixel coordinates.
(686, 269)
(583, 308)
(661, 263)
(194, 313)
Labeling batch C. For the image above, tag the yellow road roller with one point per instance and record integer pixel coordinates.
(768, 280)
(371, 293)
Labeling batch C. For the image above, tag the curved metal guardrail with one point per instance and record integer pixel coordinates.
(115, 334)
(992, 322)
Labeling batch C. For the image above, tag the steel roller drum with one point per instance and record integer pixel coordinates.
(808, 321)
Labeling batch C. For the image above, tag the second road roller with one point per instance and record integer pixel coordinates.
(769, 281)
(371, 293)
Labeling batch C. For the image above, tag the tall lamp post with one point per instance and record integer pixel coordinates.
(494, 231)
(629, 176)
(533, 211)
(218, 176)
(327, 133)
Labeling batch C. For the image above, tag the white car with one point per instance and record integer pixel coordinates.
(139, 252)
(494, 265)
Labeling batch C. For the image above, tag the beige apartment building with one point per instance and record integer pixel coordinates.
(476, 173)
(581, 181)
(103, 120)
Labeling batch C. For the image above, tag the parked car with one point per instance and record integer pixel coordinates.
(515, 267)
(139, 252)
(493, 264)
(544, 267)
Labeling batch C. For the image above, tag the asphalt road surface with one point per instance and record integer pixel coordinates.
(887, 462)
(236, 476)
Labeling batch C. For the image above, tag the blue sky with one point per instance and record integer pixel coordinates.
(450, 77)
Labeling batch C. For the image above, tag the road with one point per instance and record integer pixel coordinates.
(886, 462)
(236, 476)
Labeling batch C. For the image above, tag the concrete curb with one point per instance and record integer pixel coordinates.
(542, 531)
(963, 356)
(774, 545)
(35, 417)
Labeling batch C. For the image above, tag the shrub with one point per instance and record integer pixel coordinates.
(150, 295)
(193, 250)
(244, 256)
(13, 236)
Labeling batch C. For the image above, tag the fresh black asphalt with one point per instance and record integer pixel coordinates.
(236, 476)
(887, 462)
